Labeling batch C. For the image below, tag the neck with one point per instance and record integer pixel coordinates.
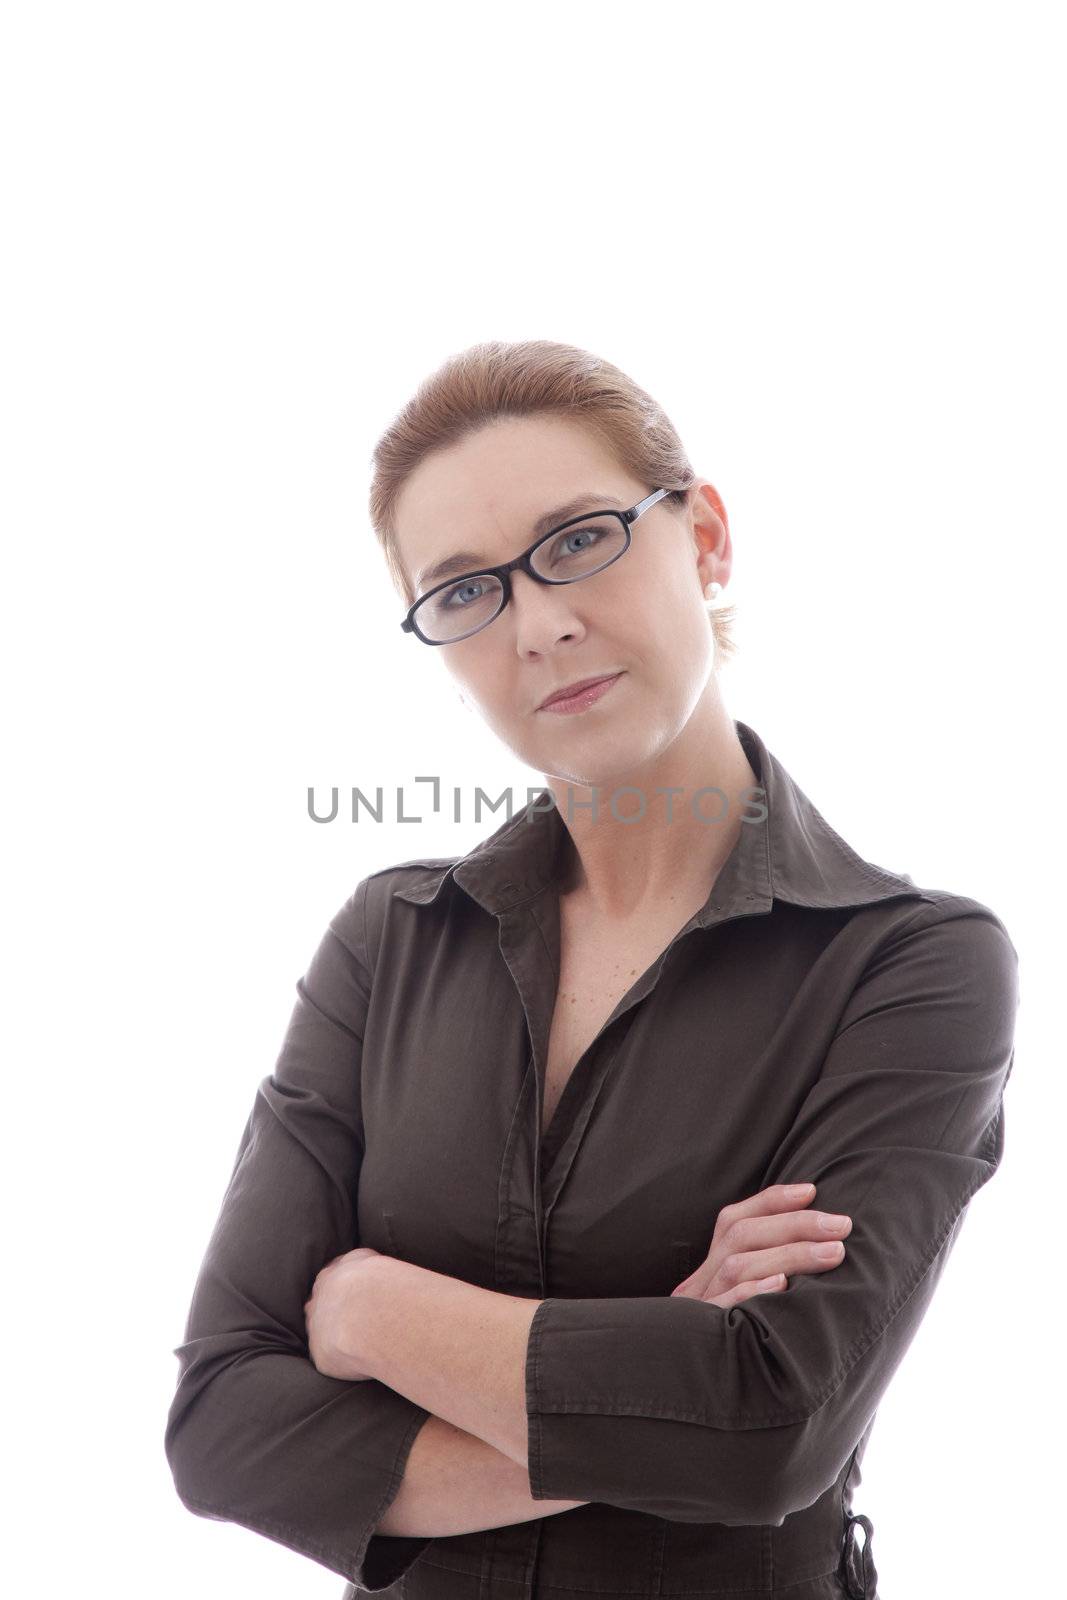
(666, 842)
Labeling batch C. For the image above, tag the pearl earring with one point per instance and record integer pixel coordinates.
(712, 591)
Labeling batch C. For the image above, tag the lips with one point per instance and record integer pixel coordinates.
(572, 689)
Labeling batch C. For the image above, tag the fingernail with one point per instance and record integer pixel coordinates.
(829, 1252)
(794, 1190)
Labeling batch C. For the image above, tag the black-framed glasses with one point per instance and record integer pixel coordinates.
(577, 548)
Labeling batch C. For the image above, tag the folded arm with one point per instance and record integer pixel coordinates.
(745, 1415)
(456, 1483)
(255, 1434)
(450, 1346)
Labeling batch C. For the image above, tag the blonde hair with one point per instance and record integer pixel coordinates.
(532, 377)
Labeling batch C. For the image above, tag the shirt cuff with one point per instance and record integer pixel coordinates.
(308, 1461)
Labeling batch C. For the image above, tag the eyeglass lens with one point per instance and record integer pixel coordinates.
(470, 603)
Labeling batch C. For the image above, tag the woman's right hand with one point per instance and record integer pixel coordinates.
(758, 1243)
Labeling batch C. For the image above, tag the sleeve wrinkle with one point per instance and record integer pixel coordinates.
(314, 1005)
(288, 1104)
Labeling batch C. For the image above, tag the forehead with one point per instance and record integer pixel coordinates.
(486, 496)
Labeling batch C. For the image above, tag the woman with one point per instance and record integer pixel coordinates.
(512, 1289)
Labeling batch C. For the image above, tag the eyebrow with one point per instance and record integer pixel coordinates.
(469, 561)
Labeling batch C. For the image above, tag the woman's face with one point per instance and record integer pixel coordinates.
(645, 616)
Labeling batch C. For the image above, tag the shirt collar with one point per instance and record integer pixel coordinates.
(792, 854)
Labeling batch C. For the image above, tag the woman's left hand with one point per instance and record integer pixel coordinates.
(332, 1313)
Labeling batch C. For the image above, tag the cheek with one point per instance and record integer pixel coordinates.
(485, 696)
(677, 632)
(470, 679)
(662, 594)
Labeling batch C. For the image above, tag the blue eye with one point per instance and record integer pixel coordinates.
(451, 594)
(579, 533)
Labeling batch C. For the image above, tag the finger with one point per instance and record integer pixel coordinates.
(779, 1197)
(783, 1228)
(807, 1256)
(747, 1266)
(746, 1291)
(759, 1219)
(795, 1260)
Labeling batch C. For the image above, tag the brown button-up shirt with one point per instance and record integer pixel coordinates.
(819, 1019)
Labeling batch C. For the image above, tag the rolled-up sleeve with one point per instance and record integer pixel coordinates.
(256, 1435)
(743, 1415)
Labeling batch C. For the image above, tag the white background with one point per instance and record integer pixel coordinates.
(827, 238)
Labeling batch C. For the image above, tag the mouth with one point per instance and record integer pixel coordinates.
(581, 694)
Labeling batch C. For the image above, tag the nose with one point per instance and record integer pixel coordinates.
(543, 612)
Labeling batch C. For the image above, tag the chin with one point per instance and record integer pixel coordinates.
(603, 771)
